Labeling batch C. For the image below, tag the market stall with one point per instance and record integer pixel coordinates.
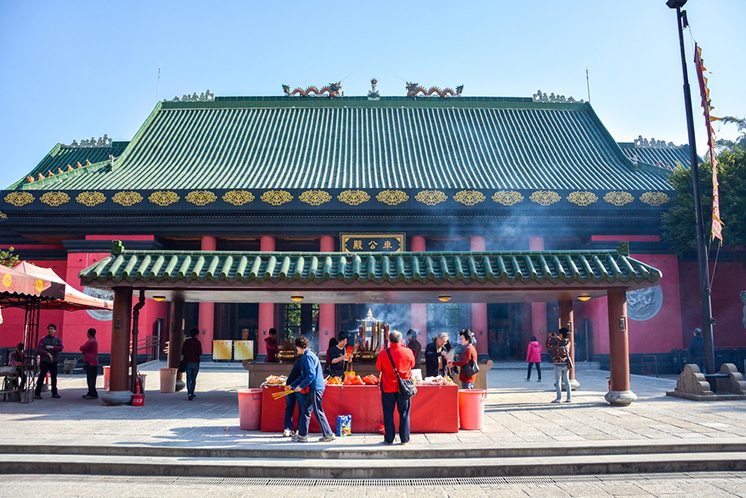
(434, 408)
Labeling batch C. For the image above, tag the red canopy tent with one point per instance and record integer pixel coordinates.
(72, 299)
(16, 287)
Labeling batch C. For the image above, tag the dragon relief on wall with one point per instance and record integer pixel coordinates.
(332, 89)
(413, 89)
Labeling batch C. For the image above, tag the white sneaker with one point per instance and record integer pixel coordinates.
(287, 433)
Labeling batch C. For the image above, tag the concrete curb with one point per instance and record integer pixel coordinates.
(377, 469)
(287, 449)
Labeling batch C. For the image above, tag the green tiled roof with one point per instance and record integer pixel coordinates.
(351, 142)
(663, 157)
(507, 268)
(62, 157)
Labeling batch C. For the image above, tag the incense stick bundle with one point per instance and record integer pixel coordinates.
(281, 394)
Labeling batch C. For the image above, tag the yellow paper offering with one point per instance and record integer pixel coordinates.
(222, 350)
(243, 350)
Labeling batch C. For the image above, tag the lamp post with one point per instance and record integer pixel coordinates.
(704, 273)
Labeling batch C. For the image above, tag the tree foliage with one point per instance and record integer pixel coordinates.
(8, 257)
(679, 222)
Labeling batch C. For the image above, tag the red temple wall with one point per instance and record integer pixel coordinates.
(728, 281)
(659, 334)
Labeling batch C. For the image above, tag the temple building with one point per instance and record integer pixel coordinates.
(331, 173)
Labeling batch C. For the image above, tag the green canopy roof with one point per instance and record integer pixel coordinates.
(196, 269)
(352, 142)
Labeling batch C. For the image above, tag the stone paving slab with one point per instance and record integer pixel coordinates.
(517, 413)
(693, 485)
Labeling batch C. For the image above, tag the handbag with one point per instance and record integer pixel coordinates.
(182, 367)
(470, 369)
(407, 389)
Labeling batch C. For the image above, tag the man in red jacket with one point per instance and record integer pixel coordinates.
(90, 360)
(403, 359)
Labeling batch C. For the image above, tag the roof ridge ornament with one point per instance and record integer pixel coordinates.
(373, 93)
(333, 90)
(656, 144)
(415, 88)
(540, 96)
(104, 141)
(205, 96)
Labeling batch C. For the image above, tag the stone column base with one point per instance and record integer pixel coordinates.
(620, 398)
(180, 385)
(574, 384)
(116, 397)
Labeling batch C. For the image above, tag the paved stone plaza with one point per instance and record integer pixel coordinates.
(720, 485)
(519, 416)
(517, 413)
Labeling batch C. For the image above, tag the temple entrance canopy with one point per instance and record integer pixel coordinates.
(406, 277)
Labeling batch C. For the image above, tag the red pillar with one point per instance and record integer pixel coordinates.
(266, 310)
(206, 322)
(538, 310)
(327, 326)
(619, 392)
(419, 310)
(119, 392)
(566, 319)
(479, 310)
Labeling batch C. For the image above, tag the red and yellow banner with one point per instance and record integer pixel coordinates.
(717, 224)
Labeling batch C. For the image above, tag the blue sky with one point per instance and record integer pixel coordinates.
(76, 69)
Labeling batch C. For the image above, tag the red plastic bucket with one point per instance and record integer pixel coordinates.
(138, 400)
(249, 409)
(471, 408)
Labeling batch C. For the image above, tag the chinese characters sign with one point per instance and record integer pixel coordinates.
(375, 242)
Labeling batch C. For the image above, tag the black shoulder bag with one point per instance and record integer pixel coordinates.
(407, 389)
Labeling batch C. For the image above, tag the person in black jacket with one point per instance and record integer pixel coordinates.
(291, 400)
(415, 346)
(436, 356)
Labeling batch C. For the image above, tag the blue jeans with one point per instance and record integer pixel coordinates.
(562, 374)
(191, 369)
(312, 403)
(291, 400)
(388, 401)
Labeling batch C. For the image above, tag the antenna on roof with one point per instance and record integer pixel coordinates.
(588, 83)
(158, 83)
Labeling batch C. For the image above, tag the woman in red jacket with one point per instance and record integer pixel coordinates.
(469, 354)
(533, 357)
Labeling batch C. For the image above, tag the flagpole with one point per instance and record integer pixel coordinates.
(704, 272)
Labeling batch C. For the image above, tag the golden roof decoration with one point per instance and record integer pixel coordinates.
(55, 199)
(90, 199)
(392, 197)
(545, 197)
(582, 199)
(238, 197)
(507, 197)
(201, 197)
(164, 198)
(619, 199)
(431, 197)
(469, 197)
(127, 198)
(19, 199)
(276, 197)
(655, 199)
(315, 197)
(353, 197)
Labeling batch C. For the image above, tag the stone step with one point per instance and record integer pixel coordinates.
(341, 450)
(394, 468)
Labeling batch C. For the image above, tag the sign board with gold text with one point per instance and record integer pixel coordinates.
(373, 242)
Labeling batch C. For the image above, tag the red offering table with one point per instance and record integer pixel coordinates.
(434, 409)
